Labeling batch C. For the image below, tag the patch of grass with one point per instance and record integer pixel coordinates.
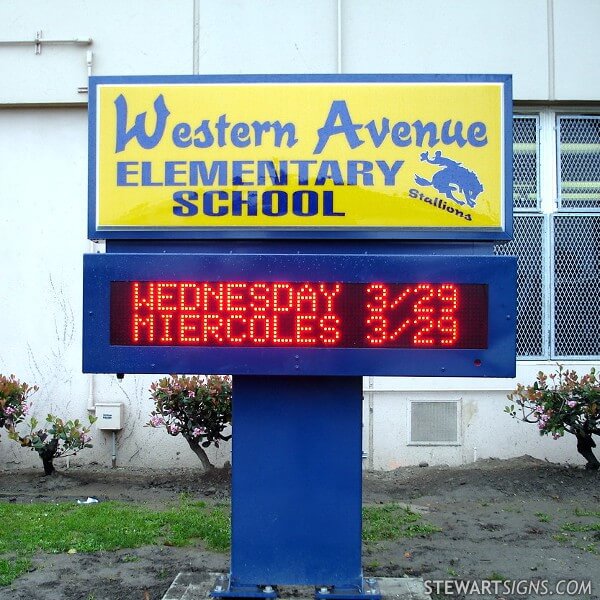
(497, 577)
(577, 533)
(212, 526)
(591, 548)
(580, 512)
(543, 517)
(512, 509)
(11, 568)
(129, 558)
(108, 526)
(581, 527)
(394, 522)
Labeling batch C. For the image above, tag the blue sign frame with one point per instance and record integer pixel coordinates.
(265, 233)
(498, 360)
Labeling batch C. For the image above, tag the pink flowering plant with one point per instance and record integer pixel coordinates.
(195, 407)
(58, 439)
(560, 403)
(13, 401)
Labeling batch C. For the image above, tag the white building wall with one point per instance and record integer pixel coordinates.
(267, 36)
(548, 46)
(436, 36)
(128, 38)
(575, 50)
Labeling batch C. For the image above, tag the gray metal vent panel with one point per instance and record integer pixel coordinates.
(434, 422)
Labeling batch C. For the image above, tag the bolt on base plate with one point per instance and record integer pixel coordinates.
(368, 589)
(223, 588)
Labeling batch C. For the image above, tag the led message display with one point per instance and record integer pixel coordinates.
(292, 314)
(280, 314)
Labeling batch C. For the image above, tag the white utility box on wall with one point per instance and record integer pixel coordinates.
(110, 415)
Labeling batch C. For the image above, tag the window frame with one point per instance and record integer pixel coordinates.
(548, 174)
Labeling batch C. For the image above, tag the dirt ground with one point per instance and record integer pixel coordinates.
(498, 519)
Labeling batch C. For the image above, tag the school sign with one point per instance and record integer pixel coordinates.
(349, 185)
(300, 156)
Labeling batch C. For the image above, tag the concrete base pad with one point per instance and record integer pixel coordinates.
(196, 586)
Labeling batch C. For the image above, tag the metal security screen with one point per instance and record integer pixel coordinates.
(576, 258)
(528, 245)
(556, 197)
(579, 161)
(434, 422)
(526, 162)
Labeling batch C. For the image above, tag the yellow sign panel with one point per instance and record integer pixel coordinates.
(399, 154)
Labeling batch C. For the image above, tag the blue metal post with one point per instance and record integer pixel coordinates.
(297, 487)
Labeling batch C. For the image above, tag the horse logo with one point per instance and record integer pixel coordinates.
(453, 178)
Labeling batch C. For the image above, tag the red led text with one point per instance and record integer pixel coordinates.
(272, 314)
(234, 313)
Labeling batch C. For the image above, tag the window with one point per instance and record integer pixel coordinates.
(526, 188)
(576, 314)
(579, 161)
(529, 237)
(556, 199)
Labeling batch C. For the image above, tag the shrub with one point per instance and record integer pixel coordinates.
(13, 401)
(560, 403)
(58, 439)
(196, 407)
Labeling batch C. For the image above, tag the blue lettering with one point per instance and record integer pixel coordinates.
(240, 135)
(280, 130)
(147, 175)
(477, 134)
(222, 125)
(208, 206)
(457, 137)
(329, 169)
(264, 167)
(218, 170)
(338, 110)
(389, 173)
(138, 130)
(203, 129)
(124, 171)
(377, 136)
(360, 167)
(238, 171)
(186, 201)
(401, 134)
(280, 197)
(328, 210)
(312, 204)
(171, 172)
(303, 173)
(247, 206)
(182, 134)
(423, 129)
